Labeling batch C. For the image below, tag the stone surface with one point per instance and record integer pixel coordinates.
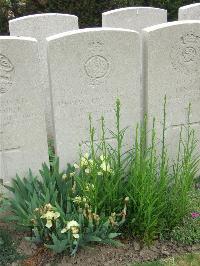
(189, 12)
(23, 138)
(134, 18)
(40, 27)
(89, 69)
(172, 68)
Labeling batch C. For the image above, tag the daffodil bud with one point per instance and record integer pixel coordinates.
(64, 177)
(126, 199)
(72, 174)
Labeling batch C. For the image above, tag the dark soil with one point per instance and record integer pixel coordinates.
(103, 255)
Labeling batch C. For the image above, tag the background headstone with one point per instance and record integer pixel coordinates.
(23, 138)
(89, 70)
(172, 68)
(189, 12)
(134, 18)
(40, 27)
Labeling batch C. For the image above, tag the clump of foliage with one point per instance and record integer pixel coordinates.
(156, 186)
(89, 12)
(186, 259)
(8, 252)
(189, 231)
(109, 190)
(47, 207)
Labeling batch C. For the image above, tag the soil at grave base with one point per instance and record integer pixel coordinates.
(104, 255)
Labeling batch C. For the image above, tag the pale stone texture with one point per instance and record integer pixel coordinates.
(89, 69)
(134, 18)
(172, 68)
(23, 137)
(40, 27)
(189, 12)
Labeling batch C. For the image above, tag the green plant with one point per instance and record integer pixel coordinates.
(188, 232)
(8, 252)
(184, 260)
(153, 188)
(107, 188)
(185, 169)
(47, 207)
(100, 174)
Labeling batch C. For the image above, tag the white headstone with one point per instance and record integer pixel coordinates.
(172, 68)
(134, 18)
(189, 12)
(89, 69)
(40, 27)
(23, 138)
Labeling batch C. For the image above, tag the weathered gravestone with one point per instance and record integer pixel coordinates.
(40, 27)
(89, 69)
(134, 18)
(23, 138)
(172, 68)
(189, 12)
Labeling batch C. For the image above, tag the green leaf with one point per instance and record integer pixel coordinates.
(94, 239)
(113, 235)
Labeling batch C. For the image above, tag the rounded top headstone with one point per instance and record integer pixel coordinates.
(189, 12)
(169, 25)
(42, 25)
(134, 18)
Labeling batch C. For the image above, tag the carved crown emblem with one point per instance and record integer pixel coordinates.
(190, 38)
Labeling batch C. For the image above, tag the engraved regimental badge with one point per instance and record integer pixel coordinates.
(6, 74)
(185, 55)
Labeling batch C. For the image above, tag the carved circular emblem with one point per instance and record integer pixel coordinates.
(5, 63)
(97, 66)
(185, 55)
(189, 54)
(6, 74)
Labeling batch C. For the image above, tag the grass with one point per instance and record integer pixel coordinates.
(192, 259)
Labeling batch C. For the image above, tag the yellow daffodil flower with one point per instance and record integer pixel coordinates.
(87, 170)
(77, 199)
(76, 236)
(76, 166)
(64, 230)
(126, 199)
(74, 230)
(49, 224)
(48, 206)
(89, 187)
(72, 224)
(102, 157)
(64, 177)
(72, 174)
(105, 167)
(49, 216)
(84, 160)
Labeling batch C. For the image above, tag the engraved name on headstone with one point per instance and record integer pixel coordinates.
(23, 138)
(172, 68)
(89, 70)
(40, 27)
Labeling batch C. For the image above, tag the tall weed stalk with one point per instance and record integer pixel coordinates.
(102, 172)
(159, 196)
